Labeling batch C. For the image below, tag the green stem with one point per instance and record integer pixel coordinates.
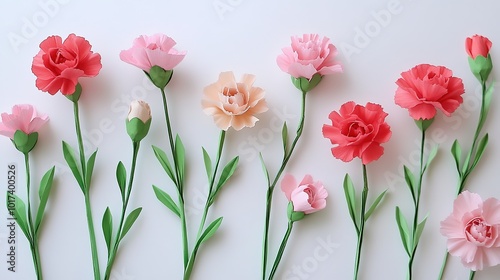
(270, 189)
(281, 250)
(364, 197)
(192, 259)
(88, 209)
(179, 182)
(32, 239)
(417, 206)
(184, 231)
(93, 243)
(38, 263)
(472, 274)
(80, 141)
(443, 266)
(472, 150)
(212, 183)
(128, 191)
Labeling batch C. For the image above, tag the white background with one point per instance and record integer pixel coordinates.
(377, 40)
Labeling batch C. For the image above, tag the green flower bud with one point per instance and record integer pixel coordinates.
(138, 120)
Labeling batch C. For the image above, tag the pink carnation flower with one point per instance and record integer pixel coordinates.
(309, 55)
(148, 51)
(24, 118)
(307, 197)
(473, 230)
(425, 88)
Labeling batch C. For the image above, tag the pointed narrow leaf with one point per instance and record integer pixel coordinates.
(121, 178)
(19, 213)
(264, 168)
(129, 222)
(480, 150)
(284, 137)
(410, 181)
(431, 156)
(418, 232)
(69, 156)
(404, 231)
(465, 167)
(456, 151)
(165, 198)
(43, 193)
(90, 168)
(162, 158)
(107, 228)
(228, 171)
(180, 154)
(375, 205)
(208, 164)
(350, 196)
(210, 230)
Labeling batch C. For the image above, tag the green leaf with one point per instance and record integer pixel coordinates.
(404, 231)
(410, 181)
(418, 232)
(121, 178)
(129, 222)
(284, 137)
(431, 157)
(107, 228)
(456, 152)
(43, 193)
(264, 168)
(69, 156)
(210, 230)
(465, 167)
(480, 150)
(19, 212)
(208, 164)
(90, 168)
(350, 196)
(167, 200)
(162, 158)
(228, 171)
(180, 155)
(375, 205)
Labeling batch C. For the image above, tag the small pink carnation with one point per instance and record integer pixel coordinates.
(473, 230)
(307, 197)
(24, 117)
(148, 51)
(308, 55)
